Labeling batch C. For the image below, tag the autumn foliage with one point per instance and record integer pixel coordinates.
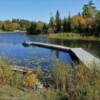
(30, 80)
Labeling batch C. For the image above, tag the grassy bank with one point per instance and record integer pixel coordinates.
(40, 35)
(84, 84)
(73, 36)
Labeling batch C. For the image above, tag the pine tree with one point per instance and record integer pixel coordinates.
(45, 28)
(89, 10)
(32, 29)
(65, 25)
(52, 24)
(69, 26)
(58, 22)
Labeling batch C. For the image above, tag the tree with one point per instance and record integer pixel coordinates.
(40, 27)
(97, 26)
(24, 24)
(89, 10)
(79, 24)
(45, 29)
(65, 25)
(58, 22)
(51, 25)
(69, 24)
(32, 29)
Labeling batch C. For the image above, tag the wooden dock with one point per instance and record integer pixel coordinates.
(85, 57)
(46, 45)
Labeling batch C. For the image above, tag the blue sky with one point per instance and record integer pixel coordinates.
(40, 9)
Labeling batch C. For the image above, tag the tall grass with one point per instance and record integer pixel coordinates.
(82, 84)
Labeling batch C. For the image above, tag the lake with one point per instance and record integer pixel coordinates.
(11, 47)
(91, 46)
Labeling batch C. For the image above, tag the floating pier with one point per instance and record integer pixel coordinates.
(84, 57)
(58, 47)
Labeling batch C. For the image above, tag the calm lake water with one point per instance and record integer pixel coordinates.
(11, 47)
(91, 46)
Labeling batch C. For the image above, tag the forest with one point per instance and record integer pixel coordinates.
(85, 23)
(14, 25)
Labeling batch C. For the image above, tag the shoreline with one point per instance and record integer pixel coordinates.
(59, 36)
(11, 32)
(83, 39)
(73, 36)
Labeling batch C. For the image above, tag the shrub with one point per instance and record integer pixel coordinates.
(30, 80)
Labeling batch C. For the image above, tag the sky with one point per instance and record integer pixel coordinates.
(35, 10)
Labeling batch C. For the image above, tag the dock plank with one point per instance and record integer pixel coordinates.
(87, 58)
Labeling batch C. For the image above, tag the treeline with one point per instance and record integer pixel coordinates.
(14, 25)
(86, 22)
(38, 28)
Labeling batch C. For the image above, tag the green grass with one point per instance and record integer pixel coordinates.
(13, 93)
(73, 36)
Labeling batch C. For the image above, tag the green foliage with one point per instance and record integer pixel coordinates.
(14, 25)
(45, 29)
(32, 29)
(37, 28)
(86, 23)
(89, 10)
(97, 24)
(61, 73)
(16, 79)
(58, 22)
(51, 25)
(65, 29)
(51, 94)
(24, 24)
(69, 24)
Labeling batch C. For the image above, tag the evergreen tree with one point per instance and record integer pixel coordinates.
(69, 26)
(45, 28)
(32, 29)
(65, 25)
(58, 22)
(97, 26)
(52, 24)
(89, 10)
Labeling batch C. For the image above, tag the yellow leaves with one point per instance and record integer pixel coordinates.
(5, 73)
(76, 20)
(31, 80)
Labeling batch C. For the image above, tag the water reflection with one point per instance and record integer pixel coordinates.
(91, 46)
(11, 47)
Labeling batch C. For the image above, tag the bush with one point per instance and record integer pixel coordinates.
(30, 80)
